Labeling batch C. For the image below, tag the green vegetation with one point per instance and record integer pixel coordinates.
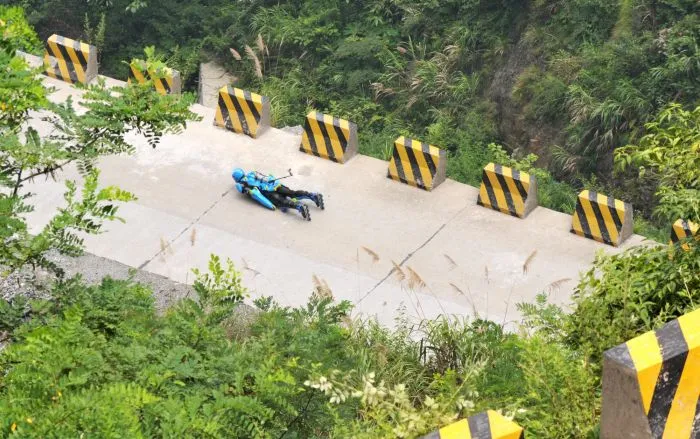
(99, 361)
(79, 139)
(568, 81)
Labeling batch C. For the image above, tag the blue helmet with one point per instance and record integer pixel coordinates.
(238, 174)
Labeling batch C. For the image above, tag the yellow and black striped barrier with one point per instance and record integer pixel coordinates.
(417, 164)
(70, 60)
(602, 218)
(165, 81)
(329, 137)
(682, 230)
(485, 425)
(651, 384)
(242, 112)
(508, 190)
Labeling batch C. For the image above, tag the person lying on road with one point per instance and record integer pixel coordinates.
(268, 191)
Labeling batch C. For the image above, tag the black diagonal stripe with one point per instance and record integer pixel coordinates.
(310, 135)
(429, 158)
(225, 113)
(686, 229)
(614, 213)
(479, 426)
(239, 112)
(417, 176)
(398, 163)
(581, 214)
(164, 84)
(675, 237)
(69, 63)
(593, 200)
(249, 102)
(326, 137)
(339, 132)
(695, 431)
(519, 184)
(489, 190)
(498, 170)
(79, 53)
(674, 351)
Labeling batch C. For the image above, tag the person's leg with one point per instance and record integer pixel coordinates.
(284, 203)
(315, 197)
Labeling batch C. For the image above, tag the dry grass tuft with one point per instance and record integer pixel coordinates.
(528, 261)
(236, 55)
(372, 253)
(261, 45)
(256, 60)
(321, 288)
(558, 283)
(193, 237)
(400, 275)
(486, 273)
(414, 279)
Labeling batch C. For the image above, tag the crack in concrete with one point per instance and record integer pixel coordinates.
(409, 256)
(189, 226)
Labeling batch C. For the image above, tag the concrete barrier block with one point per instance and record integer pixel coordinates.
(602, 218)
(417, 164)
(682, 230)
(485, 425)
(329, 137)
(651, 384)
(242, 112)
(167, 81)
(70, 60)
(508, 190)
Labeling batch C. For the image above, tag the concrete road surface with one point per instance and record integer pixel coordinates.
(455, 257)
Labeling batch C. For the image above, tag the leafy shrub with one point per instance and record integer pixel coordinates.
(631, 293)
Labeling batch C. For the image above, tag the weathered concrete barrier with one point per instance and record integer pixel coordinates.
(165, 80)
(242, 112)
(417, 164)
(602, 218)
(651, 384)
(329, 137)
(485, 425)
(683, 229)
(508, 190)
(70, 60)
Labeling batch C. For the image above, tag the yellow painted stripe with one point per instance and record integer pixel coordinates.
(80, 73)
(393, 173)
(138, 74)
(680, 419)
(502, 428)
(590, 216)
(49, 65)
(525, 180)
(484, 196)
(422, 165)
(608, 221)
(305, 144)
(457, 430)
(345, 127)
(405, 164)
(321, 145)
(335, 141)
(247, 113)
(237, 127)
(518, 201)
(62, 66)
(498, 192)
(646, 356)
